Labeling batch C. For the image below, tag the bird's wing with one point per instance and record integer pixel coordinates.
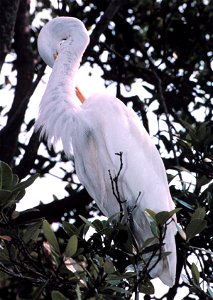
(103, 127)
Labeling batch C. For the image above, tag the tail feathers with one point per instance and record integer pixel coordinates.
(165, 269)
(162, 270)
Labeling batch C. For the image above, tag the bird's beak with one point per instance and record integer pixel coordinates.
(55, 55)
(79, 94)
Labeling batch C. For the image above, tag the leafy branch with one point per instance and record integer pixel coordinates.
(79, 264)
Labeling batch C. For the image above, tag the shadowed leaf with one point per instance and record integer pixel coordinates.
(199, 213)
(56, 295)
(195, 274)
(147, 287)
(6, 176)
(72, 246)
(163, 216)
(50, 236)
(194, 227)
(25, 183)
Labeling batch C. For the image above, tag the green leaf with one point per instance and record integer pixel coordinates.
(32, 232)
(199, 213)
(113, 279)
(149, 242)
(147, 287)
(195, 274)
(56, 295)
(195, 227)
(50, 236)
(166, 253)
(6, 176)
(26, 183)
(5, 196)
(109, 267)
(72, 246)
(155, 229)
(86, 221)
(184, 203)
(210, 291)
(15, 181)
(150, 213)
(69, 228)
(86, 228)
(203, 180)
(163, 216)
(17, 196)
(97, 225)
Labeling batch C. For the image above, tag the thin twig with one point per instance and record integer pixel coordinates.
(130, 210)
(115, 189)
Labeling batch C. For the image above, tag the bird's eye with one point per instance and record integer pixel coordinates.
(61, 42)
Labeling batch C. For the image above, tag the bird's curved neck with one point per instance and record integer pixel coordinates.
(63, 78)
(59, 103)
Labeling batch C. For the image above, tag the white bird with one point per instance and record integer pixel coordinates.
(95, 131)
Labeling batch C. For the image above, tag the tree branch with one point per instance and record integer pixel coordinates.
(25, 72)
(55, 210)
(110, 12)
(7, 25)
(30, 154)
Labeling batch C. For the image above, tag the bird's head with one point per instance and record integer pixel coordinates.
(59, 31)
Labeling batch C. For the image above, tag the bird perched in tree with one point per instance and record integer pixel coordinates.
(97, 128)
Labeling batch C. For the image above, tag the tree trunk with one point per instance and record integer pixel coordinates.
(25, 72)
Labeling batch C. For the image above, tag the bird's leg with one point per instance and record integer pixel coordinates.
(79, 94)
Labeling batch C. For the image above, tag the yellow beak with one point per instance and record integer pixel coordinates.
(55, 55)
(79, 94)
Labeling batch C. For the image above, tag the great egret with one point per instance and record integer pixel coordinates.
(96, 130)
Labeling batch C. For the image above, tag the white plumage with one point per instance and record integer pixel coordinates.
(97, 129)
